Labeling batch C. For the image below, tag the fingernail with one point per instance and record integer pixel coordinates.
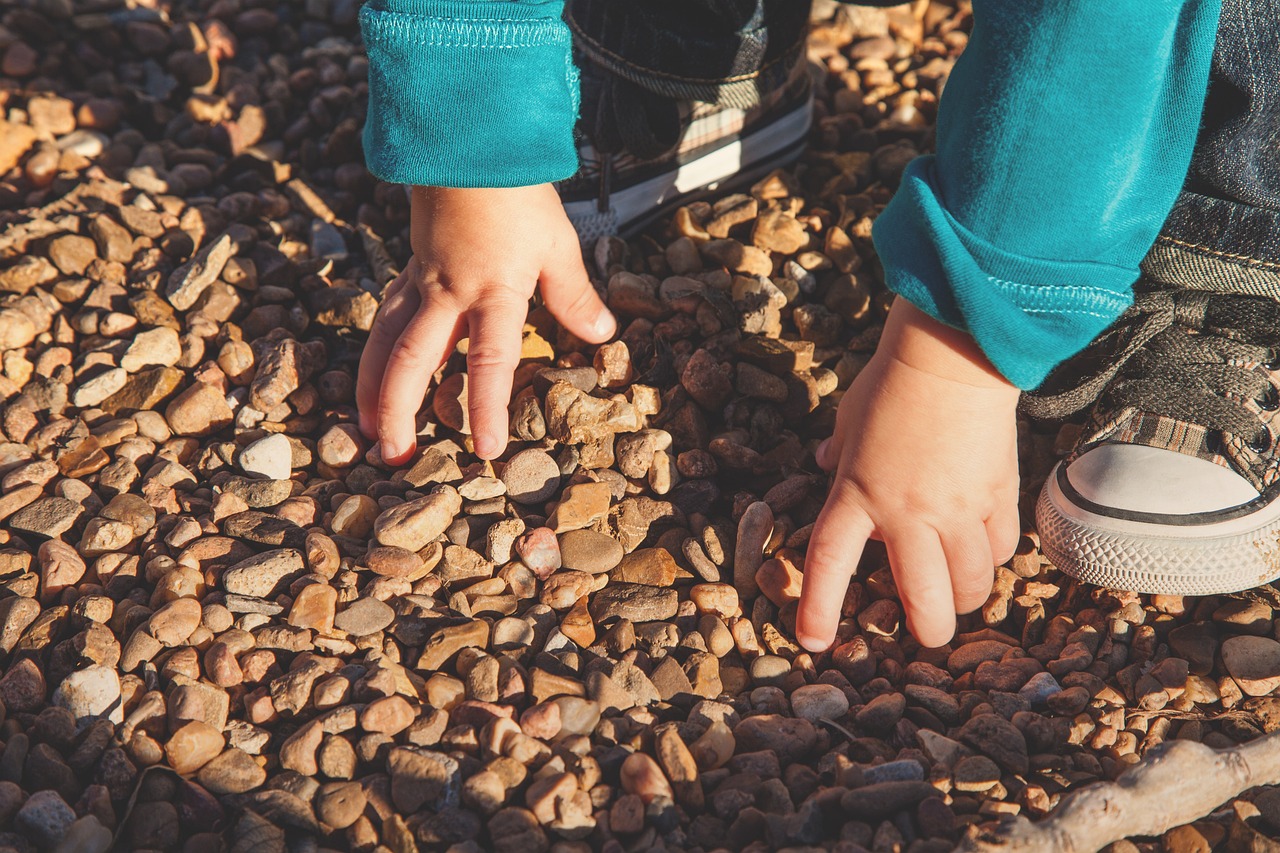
(389, 451)
(485, 447)
(606, 324)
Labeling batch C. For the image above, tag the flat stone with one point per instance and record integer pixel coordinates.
(636, 602)
(651, 566)
(364, 616)
(589, 551)
(413, 524)
(270, 457)
(262, 575)
(531, 477)
(1254, 663)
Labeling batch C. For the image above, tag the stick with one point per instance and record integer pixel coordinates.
(1173, 785)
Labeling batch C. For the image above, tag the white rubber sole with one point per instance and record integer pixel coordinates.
(751, 157)
(1167, 559)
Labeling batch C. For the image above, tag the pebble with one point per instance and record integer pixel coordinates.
(531, 477)
(364, 616)
(270, 457)
(44, 818)
(1254, 663)
(590, 551)
(814, 702)
(90, 693)
(413, 524)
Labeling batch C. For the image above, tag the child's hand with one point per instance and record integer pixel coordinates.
(925, 449)
(477, 255)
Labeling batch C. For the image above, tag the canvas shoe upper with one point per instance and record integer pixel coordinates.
(1174, 486)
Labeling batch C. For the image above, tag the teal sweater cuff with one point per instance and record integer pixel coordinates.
(469, 94)
(1026, 314)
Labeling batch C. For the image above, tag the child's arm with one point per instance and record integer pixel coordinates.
(473, 103)
(1064, 135)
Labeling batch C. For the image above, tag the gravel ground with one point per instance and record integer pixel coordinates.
(226, 624)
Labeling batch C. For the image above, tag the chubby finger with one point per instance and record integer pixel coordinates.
(572, 300)
(839, 535)
(1004, 531)
(920, 571)
(417, 354)
(494, 327)
(972, 569)
(397, 309)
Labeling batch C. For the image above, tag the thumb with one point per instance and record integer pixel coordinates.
(572, 300)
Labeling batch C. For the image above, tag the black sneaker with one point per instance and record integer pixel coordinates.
(665, 153)
(1174, 486)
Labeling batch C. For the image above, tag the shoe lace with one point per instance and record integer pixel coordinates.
(1197, 357)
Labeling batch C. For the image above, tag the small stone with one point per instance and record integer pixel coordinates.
(198, 411)
(158, 347)
(95, 390)
(341, 446)
(590, 551)
(193, 278)
(389, 715)
(1254, 663)
(580, 506)
(641, 775)
(340, 804)
(44, 818)
(531, 477)
(814, 702)
(260, 576)
(193, 746)
(173, 623)
(414, 524)
(651, 566)
(539, 550)
(315, 608)
(232, 772)
(365, 616)
(635, 602)
(447, 642)
(270, 457)
(91, 693)
(997, 738)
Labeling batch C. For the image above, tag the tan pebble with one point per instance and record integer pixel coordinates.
(546, 795)
(718, 598)
(779, 580)
(578, 625)
(714, 747)
(642, 776)
(174, 623)
(389, 715)
(579, 506)
(193, 746)
(314, 608)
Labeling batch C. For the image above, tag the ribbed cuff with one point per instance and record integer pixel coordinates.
(466, 94)
(1027, 315)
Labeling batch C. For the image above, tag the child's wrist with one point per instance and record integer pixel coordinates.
(918, 340)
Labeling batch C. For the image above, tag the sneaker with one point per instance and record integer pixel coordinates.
(655, 153)
(1174, 486)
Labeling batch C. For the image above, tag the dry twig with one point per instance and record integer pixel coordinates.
(1150, 799)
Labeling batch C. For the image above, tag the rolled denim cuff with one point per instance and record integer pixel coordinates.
(1026, 314)
(469, 94)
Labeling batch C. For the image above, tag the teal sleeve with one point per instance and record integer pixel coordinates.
(469, 93)
(1064, 136)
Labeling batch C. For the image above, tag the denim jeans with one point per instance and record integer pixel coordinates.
(1224, 231)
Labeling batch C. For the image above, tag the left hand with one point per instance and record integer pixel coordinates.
(925, 459)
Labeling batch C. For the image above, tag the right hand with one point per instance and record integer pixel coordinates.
(477, 256)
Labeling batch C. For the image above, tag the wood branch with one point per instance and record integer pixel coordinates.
(1174, 785)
